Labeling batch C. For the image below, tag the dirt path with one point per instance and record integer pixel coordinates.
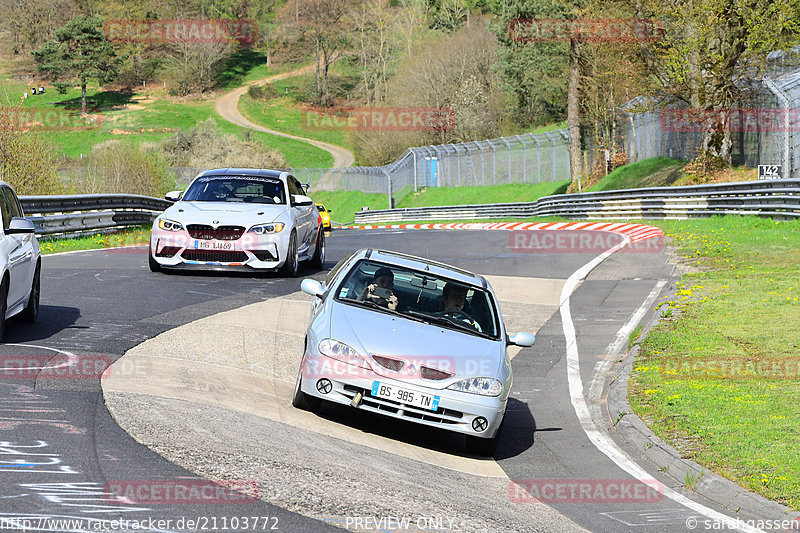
(227, 107)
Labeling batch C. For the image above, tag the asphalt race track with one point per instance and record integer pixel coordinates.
(210, 413)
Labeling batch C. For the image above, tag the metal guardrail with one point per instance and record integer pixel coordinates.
(772, 198)
(80, 213)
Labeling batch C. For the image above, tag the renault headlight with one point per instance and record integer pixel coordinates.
(341, 351)
(264, 229)
(481, 386)
(169, 225)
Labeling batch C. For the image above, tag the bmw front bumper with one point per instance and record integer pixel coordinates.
(177, 249)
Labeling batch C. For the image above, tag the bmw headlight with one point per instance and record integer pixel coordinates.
(264, 229)
(341, 351)
(169, 225)
(481, 386)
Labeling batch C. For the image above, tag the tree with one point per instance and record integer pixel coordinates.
(321, 28)
(32, 22)
(711, 49)
(378, 46)
(79, 51)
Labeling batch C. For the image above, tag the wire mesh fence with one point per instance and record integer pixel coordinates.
(527, 158)
(763, 125)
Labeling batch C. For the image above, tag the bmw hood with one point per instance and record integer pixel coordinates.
(224, 213)
(374, 333)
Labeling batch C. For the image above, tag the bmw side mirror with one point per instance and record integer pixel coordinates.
(312, 287)
(523, 339)
(173, 196)
(299, 200)
(20, 225)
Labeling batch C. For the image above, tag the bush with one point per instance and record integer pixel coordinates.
(122, 167)
(261, 92)
(206, 146)
(26, 159)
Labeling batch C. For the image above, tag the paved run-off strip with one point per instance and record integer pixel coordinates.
(245, 361)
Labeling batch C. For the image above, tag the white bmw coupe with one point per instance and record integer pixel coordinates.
(238, 218)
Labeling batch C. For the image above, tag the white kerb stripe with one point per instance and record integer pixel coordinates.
(601, 440)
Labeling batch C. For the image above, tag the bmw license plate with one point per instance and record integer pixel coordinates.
(213, 245)
(417, 399)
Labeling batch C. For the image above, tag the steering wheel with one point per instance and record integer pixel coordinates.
(458, 315)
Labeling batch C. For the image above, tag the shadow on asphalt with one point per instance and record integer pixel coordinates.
(52, 319)
(517, 433)
(305, 271)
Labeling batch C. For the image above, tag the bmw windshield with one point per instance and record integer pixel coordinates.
(248, 189)
(420, 296)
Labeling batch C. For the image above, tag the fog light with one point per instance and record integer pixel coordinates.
(324, 386)
(480, 424)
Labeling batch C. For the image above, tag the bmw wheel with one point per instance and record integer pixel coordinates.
(3, 306)
(290, 267)
(319, 251)
(152, 263)
(31, 311)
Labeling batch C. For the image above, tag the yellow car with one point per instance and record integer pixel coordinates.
(325, 215)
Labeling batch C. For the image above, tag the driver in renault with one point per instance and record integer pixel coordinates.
(455, 296)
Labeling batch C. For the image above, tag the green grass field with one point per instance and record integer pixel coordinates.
(740, 305)
(346, 203)
(147, 116)
(490, 194)
(135, 236)
(280, 114)
(654, 172)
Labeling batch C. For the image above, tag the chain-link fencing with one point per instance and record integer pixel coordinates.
(527, 158)
(763, 125)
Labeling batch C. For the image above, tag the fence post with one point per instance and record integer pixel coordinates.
(494, 162)
(483, 164)
(414, 154)
(784, 101)
(553, 142)
(524, 165)
(389, 187)
(566, 155)
(508, 149)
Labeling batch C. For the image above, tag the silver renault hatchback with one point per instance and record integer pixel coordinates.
(409, 338)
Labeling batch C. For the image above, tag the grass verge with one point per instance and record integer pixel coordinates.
(739, 306)
(343, 204)
(139, 235)
(490, 194)
(653, 172)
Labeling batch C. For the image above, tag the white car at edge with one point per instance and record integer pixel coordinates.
(20, 257)
(238, 219)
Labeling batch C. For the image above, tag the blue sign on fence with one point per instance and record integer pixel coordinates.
(431, 171)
